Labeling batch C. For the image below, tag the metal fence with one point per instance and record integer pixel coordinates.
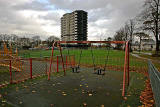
(154, 75)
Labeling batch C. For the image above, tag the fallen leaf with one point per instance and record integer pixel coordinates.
(49, 91)
(107, 93)
(3, 105)
(25, 86)
(3, 101)
(17, 88)
(151, 101)
(64, 94)
(5, 93)
(90, 94)
(59, 83)
(33, 91)
(52, 105)
(102, 105)
(84, 104)
(75, 89)
(125, 98)
(128, 95)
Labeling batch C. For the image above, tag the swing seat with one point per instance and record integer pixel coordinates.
(75, 69)
(99, 71)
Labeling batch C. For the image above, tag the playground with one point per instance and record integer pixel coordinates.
(85, 77)
(73, 90)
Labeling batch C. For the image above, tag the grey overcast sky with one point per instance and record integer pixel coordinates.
(43, 16)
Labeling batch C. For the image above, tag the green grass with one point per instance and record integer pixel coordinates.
(115, 57)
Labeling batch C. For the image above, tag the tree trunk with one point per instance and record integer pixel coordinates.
(157, 45)
(140, 44)
(157, 30)
(130, 48)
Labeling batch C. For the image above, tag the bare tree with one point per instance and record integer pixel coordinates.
(37, 40)
(108, 39)
(129, 31)
(150, 19)
(141, 35)
(51, 39)
(119, 36)
(13, 38)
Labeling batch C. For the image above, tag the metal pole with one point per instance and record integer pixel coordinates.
(10, 70)
(62, 59)
(124, 74)
(57, 65)
(31, 68)
(46, 66)
(66, 62)
(51, 60)
(128, 75)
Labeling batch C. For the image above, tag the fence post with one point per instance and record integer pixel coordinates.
(74, 63)
(10, 70)
(66, 62)
(128, 46)
(62, 59)
(31, 68)
(124, 74)
(57, 65)
(46, 66)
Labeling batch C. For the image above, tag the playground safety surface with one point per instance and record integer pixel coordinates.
(72, 90)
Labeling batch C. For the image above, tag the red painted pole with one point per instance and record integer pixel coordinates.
(62, 59)
(128, 65)
(46, 66)
(10, 70)
(74, 62)
(66, 62)
(124, 74)
(51, 60)
(31, 68)
(57, 65)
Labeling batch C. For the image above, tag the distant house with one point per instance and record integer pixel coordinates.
(24, 41)
(136, 46)
(148, 44)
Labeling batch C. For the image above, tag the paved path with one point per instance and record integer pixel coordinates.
(145, 53)
(136, 55)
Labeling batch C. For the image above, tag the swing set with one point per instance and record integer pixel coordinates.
(98, 69)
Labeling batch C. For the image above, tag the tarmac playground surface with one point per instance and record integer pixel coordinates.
(72, 90)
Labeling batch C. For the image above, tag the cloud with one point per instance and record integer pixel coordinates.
(43, 16)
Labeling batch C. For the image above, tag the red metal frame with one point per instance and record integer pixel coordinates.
(66, 62)
(126, 63)
(128, 45)
(57, 64)
(31, 68)
(10, 70)
(62, 59)
(51, 60)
